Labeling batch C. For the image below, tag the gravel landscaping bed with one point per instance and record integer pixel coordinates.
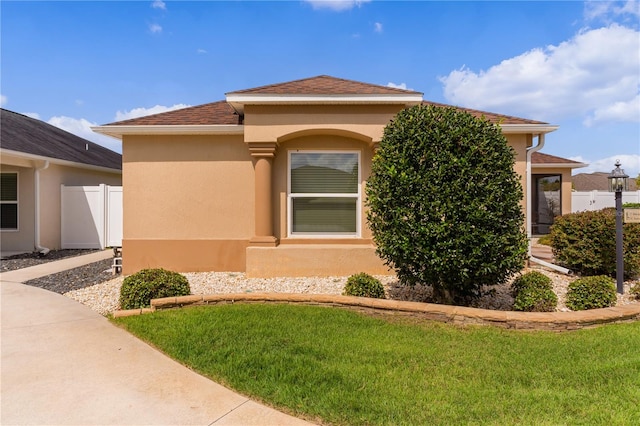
(103, 297)
(74, 279)
(25, 260)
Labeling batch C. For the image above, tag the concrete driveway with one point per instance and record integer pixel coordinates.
(63, 364)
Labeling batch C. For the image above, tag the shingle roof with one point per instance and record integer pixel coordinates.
(491, 116)
(324, 85)
(541, 158)
(213, 113)
(28, 135)
(597, 182)
(222, 113)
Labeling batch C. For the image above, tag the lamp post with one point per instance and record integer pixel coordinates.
(618, 183)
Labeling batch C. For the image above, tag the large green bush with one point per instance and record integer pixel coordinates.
(533, 292)
(138, 289)
(585, 242)
(591, 293)
(364, 285)
(444, 203)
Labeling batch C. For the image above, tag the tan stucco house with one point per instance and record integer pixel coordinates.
(36, 158)
(270, 181)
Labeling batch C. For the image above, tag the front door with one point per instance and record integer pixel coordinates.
(546, 202)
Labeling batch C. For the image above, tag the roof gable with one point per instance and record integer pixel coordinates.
(30, 136)
(324, 85)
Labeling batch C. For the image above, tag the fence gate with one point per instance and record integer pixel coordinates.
(598, 200)
(91, 216)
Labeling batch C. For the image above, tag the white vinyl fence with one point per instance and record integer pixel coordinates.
(91, 216)
(597, 200)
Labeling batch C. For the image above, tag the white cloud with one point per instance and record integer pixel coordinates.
(594, 75)
(201, 51)
(82, 128)
(630, 164)
(609, 10)
(402, 86)
(159, 4)
(155, 28)
(377, 27)
(3, 100)
(32, 115)
(141, 112)
(336, 5)
(619, 111)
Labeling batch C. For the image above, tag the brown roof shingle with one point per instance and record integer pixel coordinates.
(213, 113)
(491, 116)
(222, 113)
(324, 85)
(541, 158)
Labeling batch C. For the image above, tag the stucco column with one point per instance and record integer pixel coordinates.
(263, 152)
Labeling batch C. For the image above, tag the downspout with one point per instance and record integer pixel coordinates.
(530, 152)
(42, 250)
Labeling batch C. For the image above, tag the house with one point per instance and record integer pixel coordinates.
(36, 159)
(598, 181)
(270, 180)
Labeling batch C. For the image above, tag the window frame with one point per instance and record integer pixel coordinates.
(16, 202)
(357, 196)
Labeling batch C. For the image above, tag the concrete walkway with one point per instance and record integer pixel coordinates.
(64, 364)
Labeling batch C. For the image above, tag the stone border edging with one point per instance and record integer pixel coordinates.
(460, 315)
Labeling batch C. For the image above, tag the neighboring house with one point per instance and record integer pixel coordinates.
(36, 159)
(271, 180)
(597, 181)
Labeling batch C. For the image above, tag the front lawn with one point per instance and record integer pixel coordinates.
(341, 367)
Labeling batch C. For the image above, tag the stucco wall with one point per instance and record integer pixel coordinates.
(188, 198)
(273, 123)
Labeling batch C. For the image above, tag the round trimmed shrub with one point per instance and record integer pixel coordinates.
(585, 242)
(443, 203)
(591, 293)
(138, 289)
(533, 292)
(364, 285)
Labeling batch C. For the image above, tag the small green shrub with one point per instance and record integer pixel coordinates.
(364, 285)
(138, 289)
(533, 292)
(591, 293)
(585, 242)
(631, 206)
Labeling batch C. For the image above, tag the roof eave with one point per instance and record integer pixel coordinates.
(118, 132)
(535, 129)
(558, 165)
(238, 101)
(58, 161)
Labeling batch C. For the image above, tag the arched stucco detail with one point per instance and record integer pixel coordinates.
(327, 132)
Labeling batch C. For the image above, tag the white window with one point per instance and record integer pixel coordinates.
(324, 193)
(9, 201)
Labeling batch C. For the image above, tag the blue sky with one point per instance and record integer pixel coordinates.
(575, 64)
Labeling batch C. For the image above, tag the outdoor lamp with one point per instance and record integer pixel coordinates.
(618, 182)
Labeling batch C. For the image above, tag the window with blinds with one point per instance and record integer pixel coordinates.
(324, 193)
(9, 201)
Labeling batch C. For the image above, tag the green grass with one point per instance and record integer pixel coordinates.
(341, 367)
